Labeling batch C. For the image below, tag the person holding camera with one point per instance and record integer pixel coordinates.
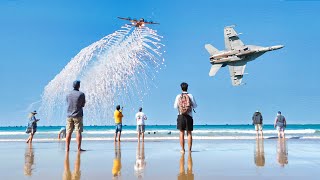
(118, 122)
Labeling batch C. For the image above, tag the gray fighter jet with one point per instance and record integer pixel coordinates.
(235, 56)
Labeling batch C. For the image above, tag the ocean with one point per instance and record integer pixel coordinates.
(163, 132)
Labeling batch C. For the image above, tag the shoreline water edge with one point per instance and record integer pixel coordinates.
(166, 132)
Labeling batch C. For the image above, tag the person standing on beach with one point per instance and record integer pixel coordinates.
(185, 103)
(62, 133)
(32, 126)
(118, 122)
(76, 101)
(280, 123)
(257, 122)
(140, 118)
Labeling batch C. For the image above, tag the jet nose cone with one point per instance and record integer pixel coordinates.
(277, 47)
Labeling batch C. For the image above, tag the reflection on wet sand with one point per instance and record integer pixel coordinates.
(28, 160)
(116, 169)
(140, 163)
(259, 158)
(282, 152)
(183, 175)
(62, 145)
(67, 175)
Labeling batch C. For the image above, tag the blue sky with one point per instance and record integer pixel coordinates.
(38, 38)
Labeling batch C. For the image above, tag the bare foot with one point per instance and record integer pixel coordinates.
(182, 151)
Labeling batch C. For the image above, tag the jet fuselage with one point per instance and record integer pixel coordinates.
(247, 53)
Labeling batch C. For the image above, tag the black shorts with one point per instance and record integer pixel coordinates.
(185, 122)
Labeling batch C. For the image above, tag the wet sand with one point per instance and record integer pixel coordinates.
(211, 159)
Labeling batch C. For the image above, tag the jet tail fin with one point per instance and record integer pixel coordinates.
(214, 69)
(212, 50)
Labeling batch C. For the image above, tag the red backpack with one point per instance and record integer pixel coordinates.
(184, 104)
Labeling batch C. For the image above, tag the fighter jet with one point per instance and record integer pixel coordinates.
(138, 23)
(235, 56)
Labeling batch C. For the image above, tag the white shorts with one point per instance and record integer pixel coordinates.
(258, 127)
(280, 128)
(141, 128)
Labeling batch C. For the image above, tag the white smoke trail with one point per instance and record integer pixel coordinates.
(118, 69)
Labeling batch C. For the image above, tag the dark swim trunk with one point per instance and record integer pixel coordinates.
(185, 122)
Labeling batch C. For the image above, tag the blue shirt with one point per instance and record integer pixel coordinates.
(32, 124)
(76, 100)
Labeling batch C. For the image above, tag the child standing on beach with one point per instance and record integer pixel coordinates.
(118, 122)
(140, 118)
(32, 126)
(62, 133)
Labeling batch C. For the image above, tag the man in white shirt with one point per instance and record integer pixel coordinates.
(140, 118)
(185, 103)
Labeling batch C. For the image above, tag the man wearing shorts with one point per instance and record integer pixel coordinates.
(118, 122)
(185, 121)
(76, 101)
(140, 118)
(280, 123)
(257, 122)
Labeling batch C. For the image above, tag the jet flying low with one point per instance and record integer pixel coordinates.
(236, 56)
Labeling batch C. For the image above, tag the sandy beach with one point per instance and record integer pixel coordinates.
(211, 159)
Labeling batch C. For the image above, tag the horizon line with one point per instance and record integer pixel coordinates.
(163, 125)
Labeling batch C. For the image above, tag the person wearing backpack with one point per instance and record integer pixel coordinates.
(257, 122)
(185, 103)
(280, 123)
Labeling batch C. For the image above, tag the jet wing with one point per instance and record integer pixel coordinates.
(236, 72)
(214, 69)
(231, 39)
(212, 50)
